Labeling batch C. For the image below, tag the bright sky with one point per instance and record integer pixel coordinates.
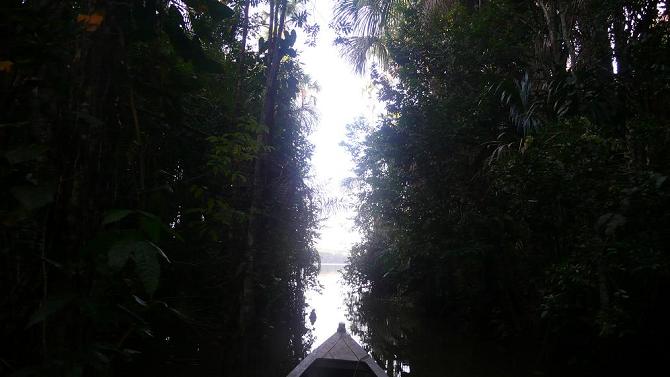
(343, 97)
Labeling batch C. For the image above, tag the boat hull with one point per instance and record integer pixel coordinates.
(339, 356)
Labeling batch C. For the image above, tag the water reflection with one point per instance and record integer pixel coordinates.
(328, 304)
(333, 303)
(409, 339)
(403, 342)
(406, 341)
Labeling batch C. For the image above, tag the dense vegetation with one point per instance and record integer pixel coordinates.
(514, 196)
(516, 188)
(155, 218)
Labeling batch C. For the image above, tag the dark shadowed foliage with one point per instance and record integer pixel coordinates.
(130, 138)
(514, 197)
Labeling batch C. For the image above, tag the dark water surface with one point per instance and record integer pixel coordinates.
(403, 342)
(408, 344)
(408, 340)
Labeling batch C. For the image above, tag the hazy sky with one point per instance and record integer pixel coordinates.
(343, 96)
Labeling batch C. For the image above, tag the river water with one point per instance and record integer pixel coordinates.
(402, 342)
(328, 303)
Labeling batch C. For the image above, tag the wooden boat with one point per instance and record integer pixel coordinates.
(338, 356)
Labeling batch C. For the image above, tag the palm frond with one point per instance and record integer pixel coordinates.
(359, 49)
(365, 22)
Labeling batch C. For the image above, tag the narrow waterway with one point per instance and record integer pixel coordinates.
(342, 97)
(328, 303)
(403, 340)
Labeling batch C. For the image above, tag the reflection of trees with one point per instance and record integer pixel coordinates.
(396, 332)
(382, 326)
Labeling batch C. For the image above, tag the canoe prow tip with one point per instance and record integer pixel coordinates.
(338, 356)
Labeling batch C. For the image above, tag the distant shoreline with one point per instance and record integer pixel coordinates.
(331, 258)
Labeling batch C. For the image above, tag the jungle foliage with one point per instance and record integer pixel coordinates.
(516, 188)
(155, 219)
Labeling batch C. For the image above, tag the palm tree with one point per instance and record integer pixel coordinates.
(363, 23)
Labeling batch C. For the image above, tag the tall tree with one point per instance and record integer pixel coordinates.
(513, 180)
(128, 139)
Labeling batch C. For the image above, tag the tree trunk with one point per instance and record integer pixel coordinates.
(242, 57)
(247, 304)
(558, 58)
(620, 41)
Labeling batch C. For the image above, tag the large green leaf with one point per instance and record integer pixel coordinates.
(33, 197)
(147, 266)
(159, 251)
(120, 252)
(609, 222)
(26, 153)
(152, 227)
(115, 215)
(51, 305)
